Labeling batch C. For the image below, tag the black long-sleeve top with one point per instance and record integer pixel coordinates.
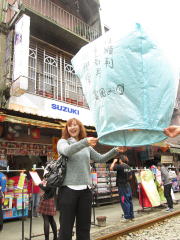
(48, 191)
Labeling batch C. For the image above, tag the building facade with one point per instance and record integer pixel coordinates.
(39, 90)
(42, 37)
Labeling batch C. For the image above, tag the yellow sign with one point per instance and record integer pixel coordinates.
(21, 181)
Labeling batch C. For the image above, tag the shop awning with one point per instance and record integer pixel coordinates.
(33, 122)
(17, 117)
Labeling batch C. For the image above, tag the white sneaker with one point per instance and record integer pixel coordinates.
(169, 210)
(125, 220)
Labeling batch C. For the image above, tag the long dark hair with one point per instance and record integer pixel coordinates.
(123, 158)
(82, 132)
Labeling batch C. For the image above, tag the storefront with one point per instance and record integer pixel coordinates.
(26, 141)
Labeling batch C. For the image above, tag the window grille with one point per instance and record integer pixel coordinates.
(52, 75)
(32, 70)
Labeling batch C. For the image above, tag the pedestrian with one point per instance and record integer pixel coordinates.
(124, 175)
(34, 192)
(167, 183)
(47, 209)
(172, 131)
(3, 182)
(75, 199)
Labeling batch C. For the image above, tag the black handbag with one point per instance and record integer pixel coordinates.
(56, 172)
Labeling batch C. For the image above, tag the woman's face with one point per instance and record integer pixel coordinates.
(74, 129)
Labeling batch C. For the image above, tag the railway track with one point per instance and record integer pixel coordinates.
(118, 235)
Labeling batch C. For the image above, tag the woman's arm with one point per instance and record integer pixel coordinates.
(63, 147)
(97, 157)
(42, 187)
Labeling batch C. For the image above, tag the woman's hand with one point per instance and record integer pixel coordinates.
(121, 149)
(172, 131)
(92, 141)
(44, 182)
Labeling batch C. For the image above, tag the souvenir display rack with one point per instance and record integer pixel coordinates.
(106, 191)
(13, 197)
(21, 206)
(10, 212)
(16, 203)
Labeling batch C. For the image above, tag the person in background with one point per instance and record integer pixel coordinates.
(172, 131)
(167, 183)
(123, 177)
(34, 191)
(47, 209)
(75, 201)
(3, 182)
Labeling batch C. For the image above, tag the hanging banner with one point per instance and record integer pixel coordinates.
(21, 180)
(147, 180)
(21, 56)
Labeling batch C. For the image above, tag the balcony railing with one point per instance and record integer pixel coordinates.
(51, 75)
(61, 17)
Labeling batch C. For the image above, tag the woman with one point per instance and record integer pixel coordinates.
(48, 210)
(75, 194)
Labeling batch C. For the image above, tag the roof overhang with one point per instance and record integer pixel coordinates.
(17, 117)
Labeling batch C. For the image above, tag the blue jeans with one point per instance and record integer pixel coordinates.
(125, 195)
(35, 203)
